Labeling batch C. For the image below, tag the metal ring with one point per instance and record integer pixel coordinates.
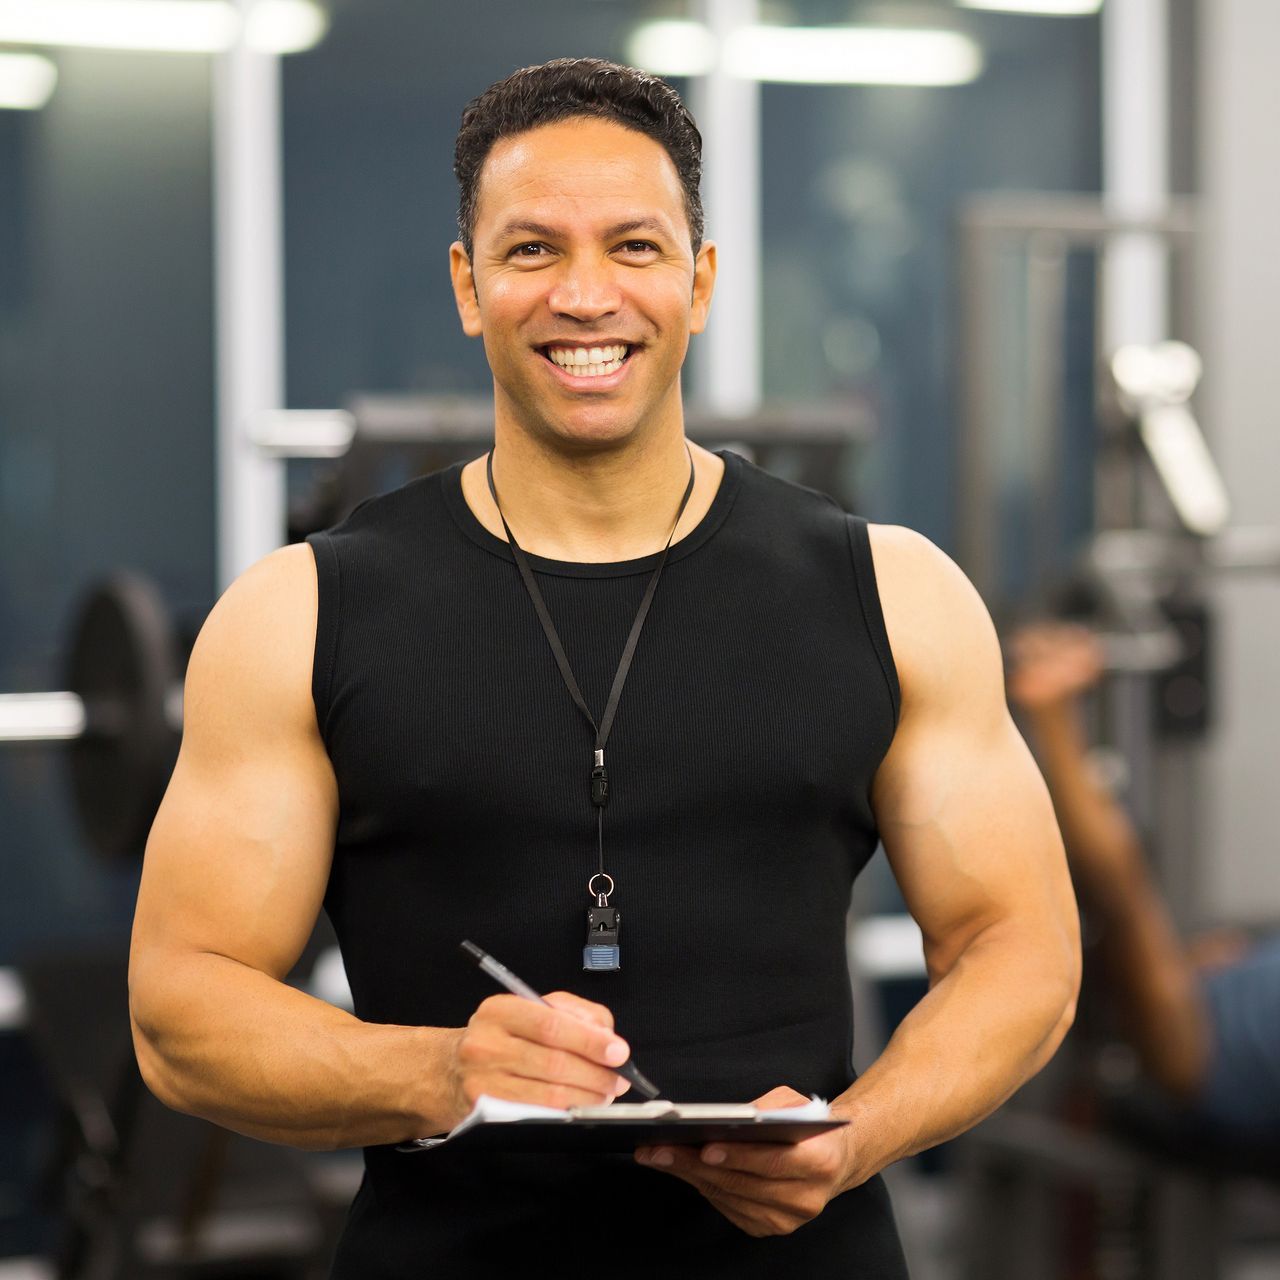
(595, 893)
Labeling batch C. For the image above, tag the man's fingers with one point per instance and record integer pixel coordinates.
(540, 1093)
(773, 1161)
(587, 1009)
(744, 1180)
(563, 1067)
(556, 1027)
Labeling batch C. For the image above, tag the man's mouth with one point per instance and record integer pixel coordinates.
(589, 362)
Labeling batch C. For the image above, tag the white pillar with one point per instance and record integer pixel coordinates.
(1239, 295)
(727, 110)
(248, 291)
(1135, 166)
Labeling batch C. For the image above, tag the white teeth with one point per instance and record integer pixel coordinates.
(589, 362)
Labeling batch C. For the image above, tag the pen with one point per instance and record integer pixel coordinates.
(504, 977)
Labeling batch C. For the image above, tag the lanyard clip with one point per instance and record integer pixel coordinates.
(599, 781)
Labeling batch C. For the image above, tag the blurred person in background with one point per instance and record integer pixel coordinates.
(1203, 1016)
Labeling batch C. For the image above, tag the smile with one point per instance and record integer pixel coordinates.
(589, 362)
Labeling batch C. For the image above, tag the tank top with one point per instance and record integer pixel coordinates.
(760, 701)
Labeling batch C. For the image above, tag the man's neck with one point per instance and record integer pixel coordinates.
(598, 506)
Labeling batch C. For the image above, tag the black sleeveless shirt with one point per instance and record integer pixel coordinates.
(761, 699)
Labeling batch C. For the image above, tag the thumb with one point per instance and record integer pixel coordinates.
(783, 1096)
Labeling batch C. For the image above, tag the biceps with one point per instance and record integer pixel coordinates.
(238, 858)
(970, 833)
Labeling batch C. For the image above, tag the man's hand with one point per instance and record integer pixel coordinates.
(526, 1052)
(1050, 663)
(764, 1188)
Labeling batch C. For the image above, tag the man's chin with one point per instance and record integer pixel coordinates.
(603, 428)
(580, 425)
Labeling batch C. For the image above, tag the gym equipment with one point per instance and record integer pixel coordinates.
(381, 441)
(121, 712)
(121, 709)
(1132, 541)
(144, 1192)
(1153, 386)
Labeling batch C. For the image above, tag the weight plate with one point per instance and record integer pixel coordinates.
(122, 664)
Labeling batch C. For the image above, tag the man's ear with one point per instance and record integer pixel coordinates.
(704, 283)
(464, 290)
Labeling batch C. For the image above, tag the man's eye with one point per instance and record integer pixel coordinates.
(640, 246)
(531, 250)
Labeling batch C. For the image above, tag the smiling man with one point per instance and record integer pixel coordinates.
(631, 715)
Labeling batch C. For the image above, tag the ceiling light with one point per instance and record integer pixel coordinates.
(852, 55)
(673, 48)
(26, 81)
(810, 55)
(1050, 8)
(285, 26)
(161, 26)
(176, 26)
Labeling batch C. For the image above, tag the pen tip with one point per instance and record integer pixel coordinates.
(472, 952)
(647, 1087)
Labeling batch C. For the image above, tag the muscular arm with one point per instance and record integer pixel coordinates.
(233, 879)
(970, 833)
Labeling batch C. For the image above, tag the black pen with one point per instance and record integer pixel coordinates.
(504, 977)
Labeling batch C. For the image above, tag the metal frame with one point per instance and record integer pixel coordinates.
(1050, 227)
(1163, 783)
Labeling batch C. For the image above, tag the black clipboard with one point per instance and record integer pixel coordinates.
(619, 1129)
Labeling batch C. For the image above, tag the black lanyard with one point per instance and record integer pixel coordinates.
(601, 951)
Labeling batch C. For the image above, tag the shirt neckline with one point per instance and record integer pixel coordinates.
(714, 517)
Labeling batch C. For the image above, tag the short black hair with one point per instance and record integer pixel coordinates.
(567, 88)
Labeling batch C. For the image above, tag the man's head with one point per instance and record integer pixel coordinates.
(582, 264)
(569, 88)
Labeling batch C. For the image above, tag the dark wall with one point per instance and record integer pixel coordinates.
(369, 123)
(106, 417)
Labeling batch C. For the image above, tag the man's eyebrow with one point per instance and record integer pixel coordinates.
(523, 227)
(635, 224)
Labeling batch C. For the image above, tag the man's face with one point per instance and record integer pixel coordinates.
(582, 280)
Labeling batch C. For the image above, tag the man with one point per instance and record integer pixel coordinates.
(1204, 1018)
(390, 721)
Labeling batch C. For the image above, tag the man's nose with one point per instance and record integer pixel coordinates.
(585, 290)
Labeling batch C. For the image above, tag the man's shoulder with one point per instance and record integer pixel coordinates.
(911, 566)
(937, 624)
(252, 659)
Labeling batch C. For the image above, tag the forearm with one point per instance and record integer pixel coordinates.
(982, 1030)
(1140, 947)
(1154, 980)
(1096, 830)
(218, 1039)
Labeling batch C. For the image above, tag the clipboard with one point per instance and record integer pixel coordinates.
(497, 1125)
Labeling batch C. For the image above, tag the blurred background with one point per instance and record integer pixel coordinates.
(1003, 271)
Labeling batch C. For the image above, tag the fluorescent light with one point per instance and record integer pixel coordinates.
(26, 81)
(811, 55)
(673, 48)
(852, 55)
(161, 26)
(177, 26)
(1051, 8)
(285, 26)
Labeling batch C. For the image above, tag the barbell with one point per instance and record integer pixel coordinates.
(120, 714)
(121, 711)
